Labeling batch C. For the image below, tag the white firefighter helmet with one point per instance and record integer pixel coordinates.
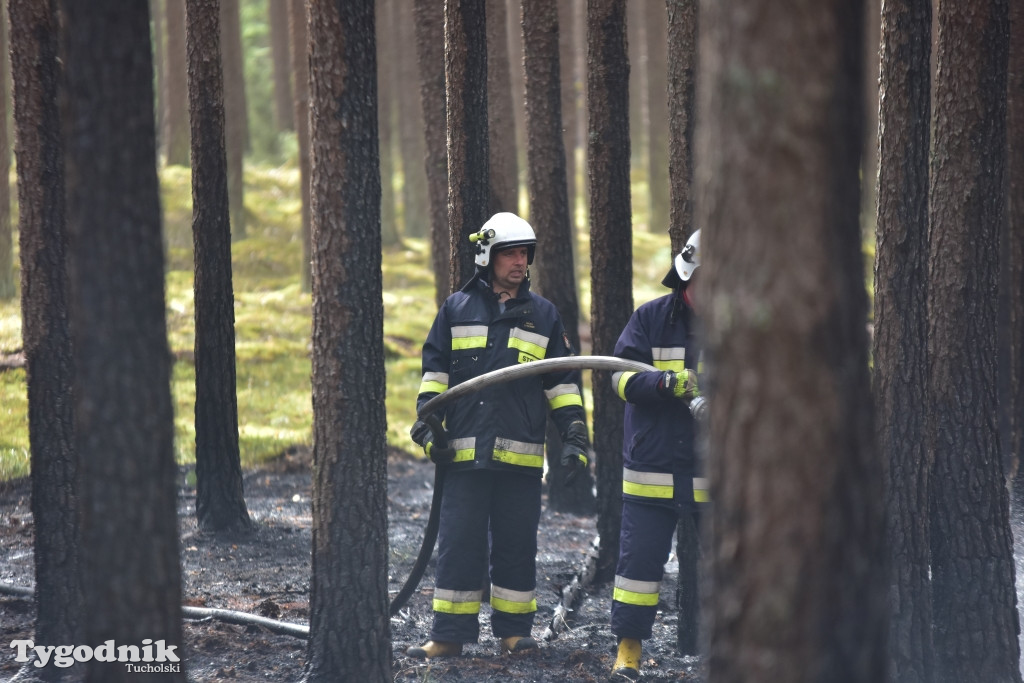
(501, 231)
(688, 259)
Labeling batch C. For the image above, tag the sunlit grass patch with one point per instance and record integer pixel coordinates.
(14, 452)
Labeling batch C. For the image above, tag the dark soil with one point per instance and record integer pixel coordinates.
(268, 575)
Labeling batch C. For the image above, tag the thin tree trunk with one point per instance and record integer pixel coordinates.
(430, 52)
(410, 128)
(386, 122)
(175, 96)
(284, 106)
(466, 86)
(657, 115)
(220, 501)
(235, 120)
(611, 251)
(300, 66)
(7, 288)
(549, 207)
(501, 124)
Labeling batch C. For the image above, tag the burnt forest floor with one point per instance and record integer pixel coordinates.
(269, 575)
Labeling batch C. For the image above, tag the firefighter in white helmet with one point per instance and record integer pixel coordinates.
(660, 477)
(491, 504)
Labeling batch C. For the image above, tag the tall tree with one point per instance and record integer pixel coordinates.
(429, 17)
(300, 66)
(235, 119)
(901, 327)
(658, 121)
(7, 288)
(412, 145)
(465, 75)
(966, 205)
(611, 251)
(569, 79)
(175, 96)
(797, 565)
(220, 502)
(501, 124)
(1015, 239)
(124, 421)
(157, 14)
(681, 46)
(549, 212)
(349, 625)
(280, 52)
(45, 332)
(387, 112)
(681, 67)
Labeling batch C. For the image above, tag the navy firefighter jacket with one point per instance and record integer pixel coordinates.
(503, 425)
(658, 446)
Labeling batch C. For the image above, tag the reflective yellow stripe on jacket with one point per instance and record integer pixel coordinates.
(647, 484)
(642, 593)
(457, 602)
(469, 337)
(669, 358)
(518, 452)
(528, 342)
(562, 395)
(512, 602)
(434, 382)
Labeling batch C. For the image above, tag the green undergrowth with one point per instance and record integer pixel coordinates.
(273, 323)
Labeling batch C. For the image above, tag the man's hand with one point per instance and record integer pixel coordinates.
(423, 436)
(681, 385)
(574, 451)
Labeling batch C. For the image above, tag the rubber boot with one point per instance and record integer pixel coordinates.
(517, 644)
(627, 662)
(435, 648)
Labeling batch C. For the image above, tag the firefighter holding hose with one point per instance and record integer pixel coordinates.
(660, 477)
(490, 509)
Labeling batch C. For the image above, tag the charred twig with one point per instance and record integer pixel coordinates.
(572, 594)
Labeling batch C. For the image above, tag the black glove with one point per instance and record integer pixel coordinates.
(423, 435)
(574, 451)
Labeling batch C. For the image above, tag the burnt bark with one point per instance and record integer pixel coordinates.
(901, 328)
(349, 624)
(220, 501)
(124, 421)
(549, 212)
(46, 335)
(611, 251)
(682, 66)
(966, 205)
(465, 42)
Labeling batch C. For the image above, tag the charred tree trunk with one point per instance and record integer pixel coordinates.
(966, 206)
(549, 210)
(45, 333)
(611, 251)
(901, 328)
(466, 85)
(682, 65)
(349, 624)
(220, 501)
(235, 118)
(501, 124)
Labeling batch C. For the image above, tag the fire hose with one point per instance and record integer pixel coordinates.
(426, 413)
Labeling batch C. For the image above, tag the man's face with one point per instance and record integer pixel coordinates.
(509, 269)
